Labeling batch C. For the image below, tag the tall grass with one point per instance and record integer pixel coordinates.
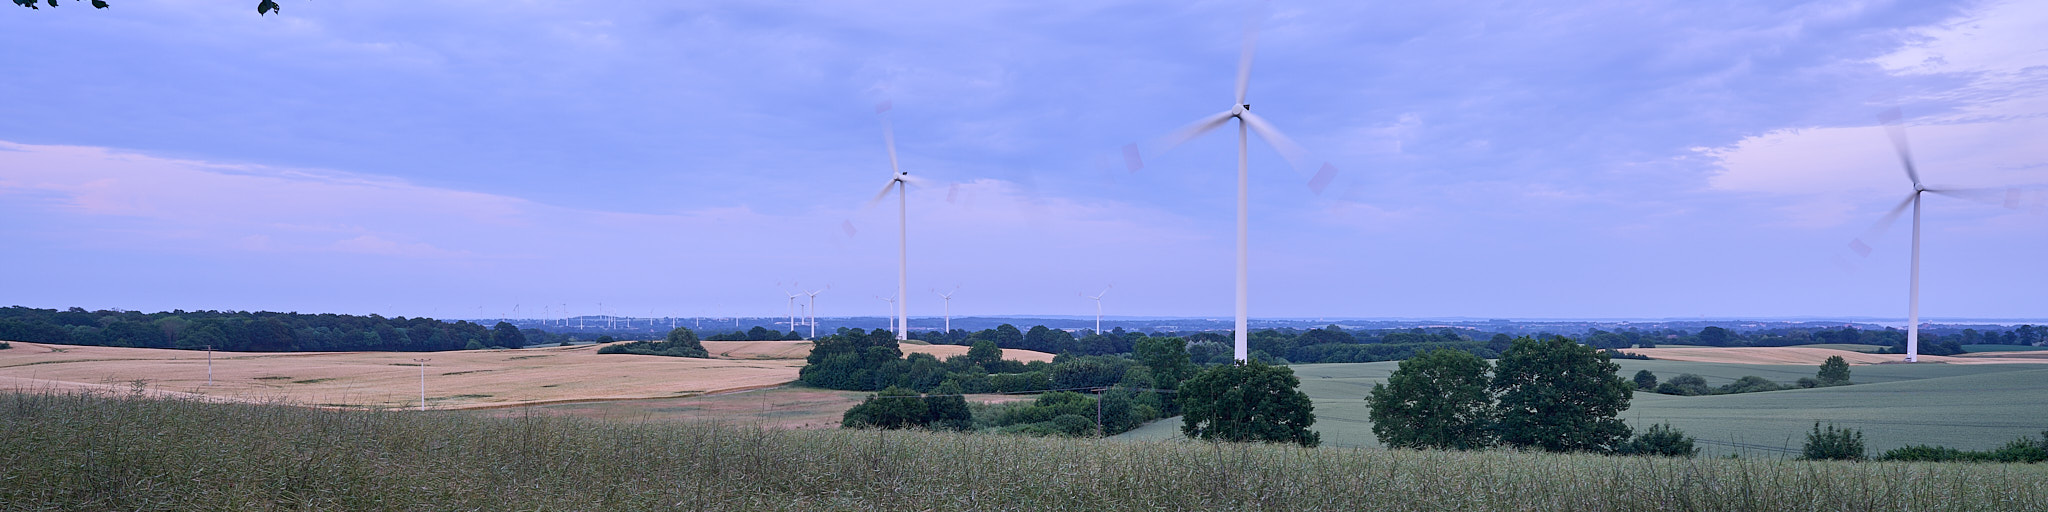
(102, 452)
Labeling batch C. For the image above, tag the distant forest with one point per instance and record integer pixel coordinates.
(260, 331)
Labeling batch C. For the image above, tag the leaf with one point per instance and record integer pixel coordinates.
(99, 4)
(53, 3)
(265, 7)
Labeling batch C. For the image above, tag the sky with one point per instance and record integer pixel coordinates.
(471, 159)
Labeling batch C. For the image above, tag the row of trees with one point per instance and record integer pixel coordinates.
(1833, 372)
(680, 342)
(1330, 344)
(1553, 394)
(259, 331)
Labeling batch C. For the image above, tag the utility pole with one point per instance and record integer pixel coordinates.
(423, 382)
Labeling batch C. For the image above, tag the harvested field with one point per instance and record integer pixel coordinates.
(1815, 356)
(455, 380)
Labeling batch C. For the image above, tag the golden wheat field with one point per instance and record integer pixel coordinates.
(469, 379)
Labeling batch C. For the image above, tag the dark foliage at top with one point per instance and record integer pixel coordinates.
(246, 331)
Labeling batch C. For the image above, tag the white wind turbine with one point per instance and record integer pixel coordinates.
(892, 312)
(813, 310)
(792, 310)
(948, 297)
(899, 182)
(1890, 119)
(1098, 306)
(1246, 121)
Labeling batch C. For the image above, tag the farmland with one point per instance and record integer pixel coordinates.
(109, 452)
(468, 379)
(1969, 406)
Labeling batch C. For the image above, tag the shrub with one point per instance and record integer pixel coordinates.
(2022, 450)
(1685, 384)
(5, 346)
(1833, 444)
(1662, 440)
(1749, 384)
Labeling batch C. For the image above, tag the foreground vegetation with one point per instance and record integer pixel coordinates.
(99, 452)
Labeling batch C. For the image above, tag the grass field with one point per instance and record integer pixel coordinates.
(2003, 348)
(104, 452)
(1963, 406)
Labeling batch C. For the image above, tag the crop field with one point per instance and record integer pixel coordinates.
(104, 451)
(1803, 355)
(455, 380)
(469, 379)
(1973, 406)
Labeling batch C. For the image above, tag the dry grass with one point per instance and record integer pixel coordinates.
(455, 380)
(801, 349)
(1813, 356)
(74, 452)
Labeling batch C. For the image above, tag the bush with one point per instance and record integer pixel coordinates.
(1685, 384)
(1645, 381)
(2022, 450)
(5, 346)
(1661, 440)
(1750, 384)
(1833, 444)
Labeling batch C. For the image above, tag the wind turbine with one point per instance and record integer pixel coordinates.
(792, 310)
(1246, 121)
(1890, 120)
(813, 309)
(1098, 307)
(900, 182)
(892, 319)
(948, 297)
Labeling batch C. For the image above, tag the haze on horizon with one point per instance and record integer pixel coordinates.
(454, 159)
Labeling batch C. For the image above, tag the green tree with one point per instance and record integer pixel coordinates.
(1645, 380)
(507, 335)
(1834, 372)
(1560, 396)
(1685, 384)
(947, 409)
(1247, 402)
(1833, 444)
(1436, 400)
(1167, 358)
(984, 354)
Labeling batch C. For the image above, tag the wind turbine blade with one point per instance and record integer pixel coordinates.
(1244, 58)
(1190, 131)
(1294, 154)
(1131, 160)
(1890, 119)
(2009, 197)
(914, 180)
(1876, 231)
(847, 225)
(1322, 178)
(884, 194)
(889, 136)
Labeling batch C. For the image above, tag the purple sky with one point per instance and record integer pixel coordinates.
(455, 159)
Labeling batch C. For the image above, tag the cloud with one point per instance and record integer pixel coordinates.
(1986, 133)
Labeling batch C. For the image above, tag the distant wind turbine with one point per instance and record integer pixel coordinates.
(813, 309)
(892, 311)
(1098, 307)
(948, 297)
(1246, 121)
(1890, 120)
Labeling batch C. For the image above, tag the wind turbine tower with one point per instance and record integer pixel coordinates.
(1098, 307)
(948, 297)
(1246, 122)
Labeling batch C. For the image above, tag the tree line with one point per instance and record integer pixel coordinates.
(255, 331)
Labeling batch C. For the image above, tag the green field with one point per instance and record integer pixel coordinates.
(2002, 348)
(103, 452)
(1959, 406)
